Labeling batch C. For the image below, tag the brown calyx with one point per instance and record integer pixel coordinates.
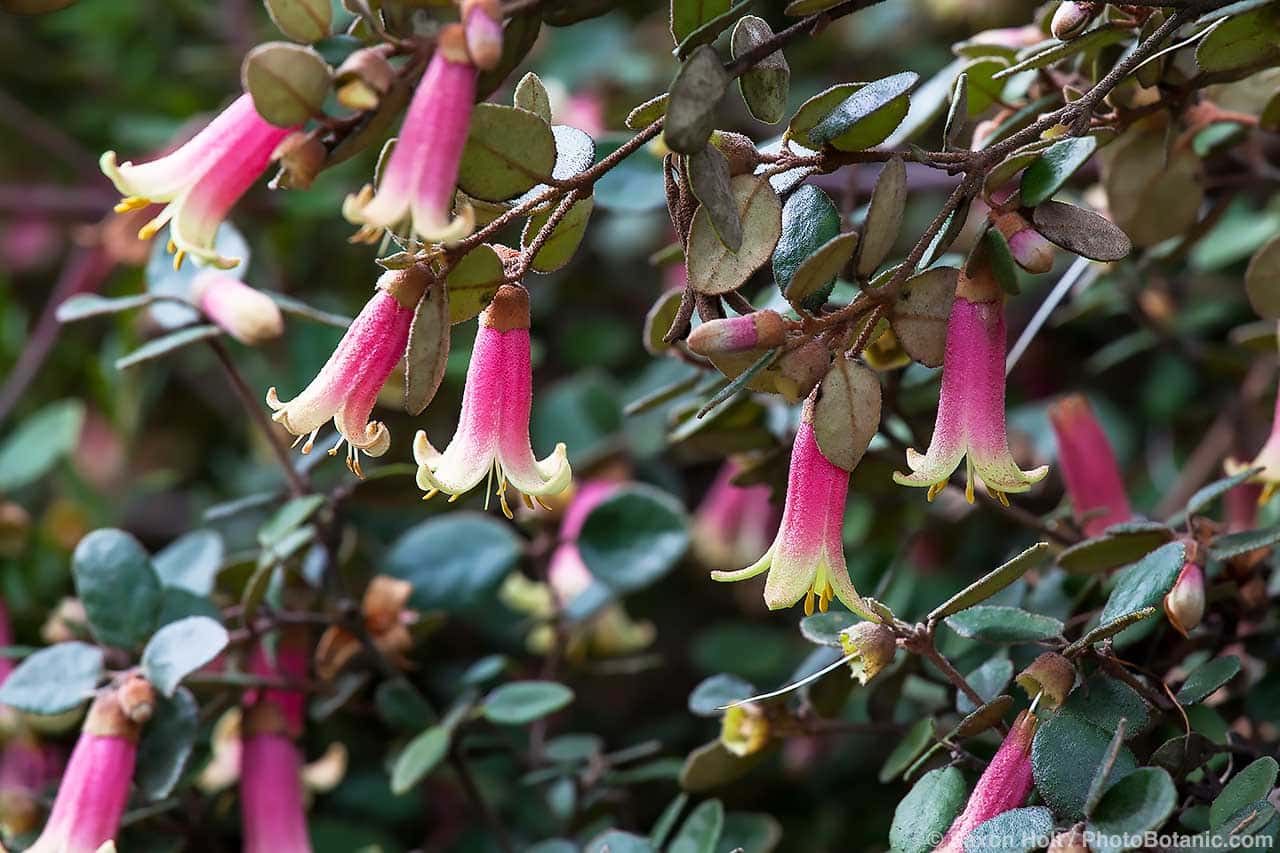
(452, 44)
(406, 286)
(508, 310)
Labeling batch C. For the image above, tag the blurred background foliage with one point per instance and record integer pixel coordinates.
(161, 445)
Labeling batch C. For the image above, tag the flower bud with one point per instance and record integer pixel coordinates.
(363, 78)
(872, 646)
(1184, 604)
(301, 157)
(738, 149)
(757, 330)
(137, 698)
(246, 314)
(1072, 17)
(1031, 250)
(1050, 676)
(482, 20)
(744, 729)
(1004, 785)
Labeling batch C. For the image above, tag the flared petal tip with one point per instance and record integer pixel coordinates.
(447, 230)
(1010, 479)
(375, 440)
(760, 565)
(556, 473)
(107, 163)
(423, 453)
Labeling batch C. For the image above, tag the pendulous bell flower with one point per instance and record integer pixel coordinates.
(347, 387)
(970, 424)
(417, 185)
(95, 786)
(1268, 459)
(733, 523)
(272, 811)
(492, 439)
(248, 315)
(200, 181)
(806, 559)
(1089, 467)
(1184, 604)
(870, 647)
(1004, 785)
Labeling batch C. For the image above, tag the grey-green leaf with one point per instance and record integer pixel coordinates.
(427, 353)
(54, 680)
(765, 86)
(118, 587)
(179, 649)
(927, 810)
(521, 702)
(884, 216)
(288, 82)
(709, 178)
(696, 91)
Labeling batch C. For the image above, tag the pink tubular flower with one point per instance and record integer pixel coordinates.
(1088, 467)
(1184, 604)
(201, 180)
(248, 315)
(347, 387)
(1268, 459)
(806, 559)
(970, 423)
(493, 427)
(421, 174)
(732, 524)
(95, 787)
(273, 817)
(1004, 785)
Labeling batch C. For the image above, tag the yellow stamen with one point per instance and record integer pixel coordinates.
(1267, 491)
(502, 499)
(431, 494)
(968, 473)
(935, 490)
(178, 258)
(133, 202)
(146, 232)
(453, 498)
(824, 600)
(808, 602)
(171, 247)
(1000, 496)
(543, 503)
(528, 504)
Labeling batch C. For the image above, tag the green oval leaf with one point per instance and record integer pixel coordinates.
(179, 649)
(1014, 831)
(1207, 678)
(39, 442)
(1252, 783)
(765, 86)
(867, 116)
(713, 267)
(927, 810)
(993, 623)
(1139, 802)
(633, 537)
(508, 151)
(288, 82)
(1054, 168)
(454, 562)
(1064, 755)
(521, 702)
(118, 587)
(422, 755)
